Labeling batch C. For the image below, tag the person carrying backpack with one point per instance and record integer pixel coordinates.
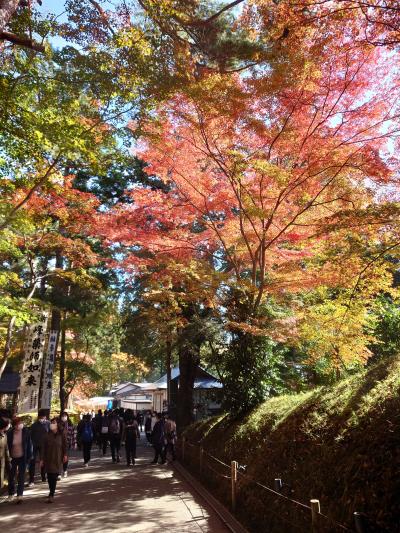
(170, 436)
(104, 432)
(69, 430)
(158, 440)
(130, 434)
(140, 420)
(97, 426)
(147, 428)
(115, 426)
(39, 430)
(85, 437)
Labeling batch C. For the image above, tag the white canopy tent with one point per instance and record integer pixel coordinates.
(97, 402)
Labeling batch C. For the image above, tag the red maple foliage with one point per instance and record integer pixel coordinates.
(253, 182)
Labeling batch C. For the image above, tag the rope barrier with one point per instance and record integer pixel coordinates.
(276, 493)
(332, 521)
(216, 472)
(216, 460)
(269, 489)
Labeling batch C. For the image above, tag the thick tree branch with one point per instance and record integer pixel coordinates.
(22, 40)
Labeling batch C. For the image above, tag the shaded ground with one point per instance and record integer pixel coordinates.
(106, 497)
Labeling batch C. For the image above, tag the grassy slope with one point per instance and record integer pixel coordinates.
(340, 444)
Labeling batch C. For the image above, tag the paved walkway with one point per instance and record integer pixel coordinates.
(106, 497)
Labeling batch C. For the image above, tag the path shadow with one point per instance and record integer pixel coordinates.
(106, 497)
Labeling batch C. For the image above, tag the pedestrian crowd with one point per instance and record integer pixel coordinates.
(47, 444)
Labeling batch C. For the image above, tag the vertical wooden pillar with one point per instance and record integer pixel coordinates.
(315, 510)
(201, 458)
(234, 467)
(183, 448)
(359, 522)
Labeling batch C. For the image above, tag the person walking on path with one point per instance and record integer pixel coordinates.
(170, 436)
(140, 421)
(53, 455)
(68, 428)
(158, 440)
(147, 428)
(97, 428)
(20, 449)
(104, 432)
(130, 434)
(4, 452)
(39, 430)
(86, 433)
(115, 428)
(153, 420)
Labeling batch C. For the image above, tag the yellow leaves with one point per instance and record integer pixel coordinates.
(80, 278)
(127, 359)
(120, 356)
(134, 37)
(337, 334)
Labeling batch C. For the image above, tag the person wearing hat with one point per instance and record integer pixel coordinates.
(4, 453)
(20, 449)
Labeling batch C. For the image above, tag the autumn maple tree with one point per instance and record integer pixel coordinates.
(237, 161)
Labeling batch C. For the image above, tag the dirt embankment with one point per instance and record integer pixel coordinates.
(339, 444)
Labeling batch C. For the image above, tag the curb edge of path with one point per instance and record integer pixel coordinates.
(227, 518)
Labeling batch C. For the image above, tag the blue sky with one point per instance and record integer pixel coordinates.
(55, 7)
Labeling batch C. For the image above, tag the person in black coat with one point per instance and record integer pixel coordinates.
(20, 449)
(158, 440)
(115, 429)
(140, 420)
(147, 428)
(130, 435)
(39, 430)
(86, 434)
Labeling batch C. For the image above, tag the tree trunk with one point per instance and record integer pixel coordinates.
(63, 397)
(168, 364)
(7, 10)
(7, 347)
(189, 360)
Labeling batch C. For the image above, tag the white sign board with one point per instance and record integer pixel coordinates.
(31, 370)
(48, 370)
